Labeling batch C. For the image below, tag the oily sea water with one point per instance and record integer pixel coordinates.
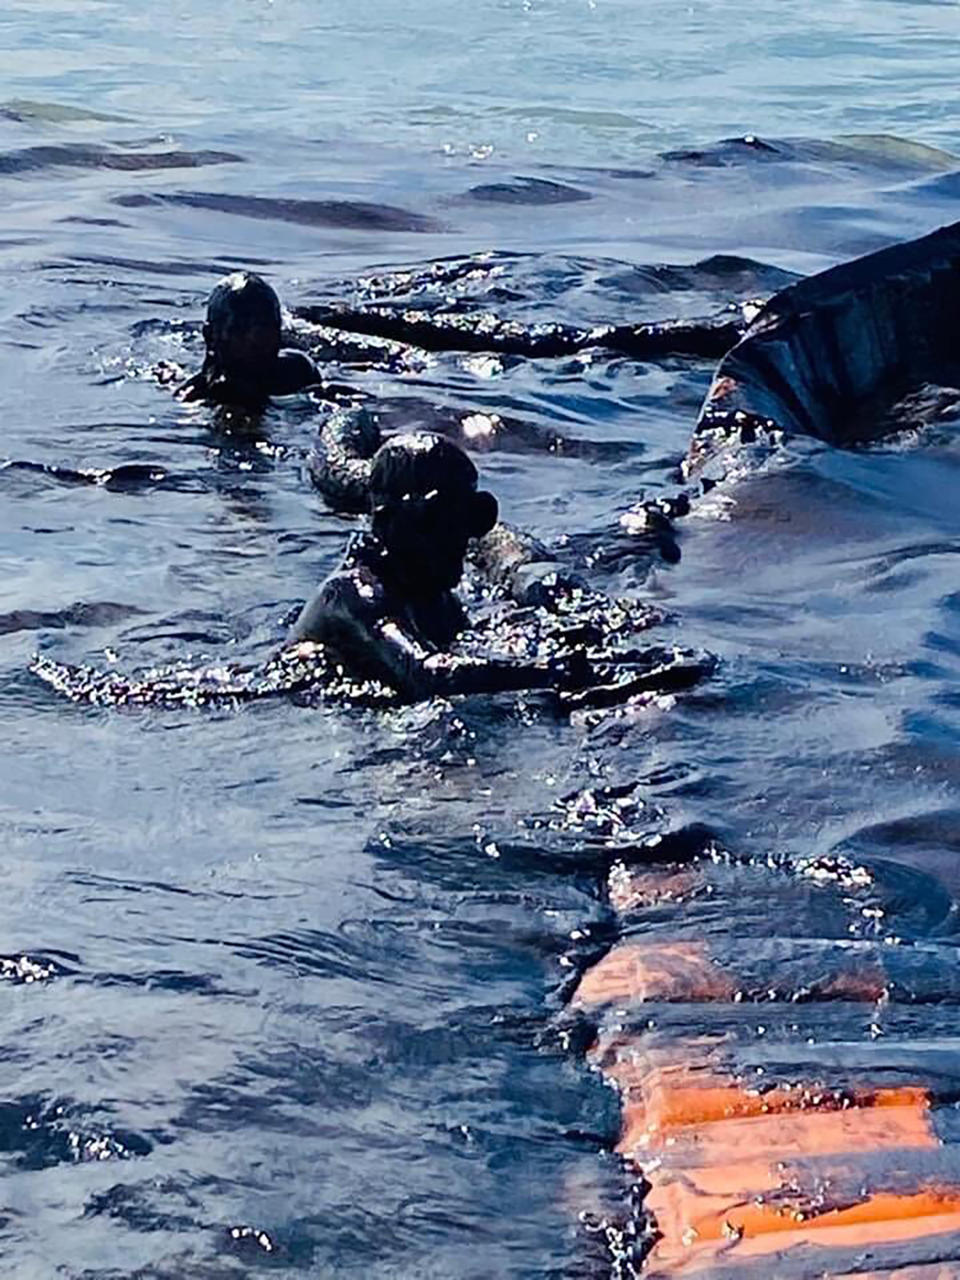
(332, 986)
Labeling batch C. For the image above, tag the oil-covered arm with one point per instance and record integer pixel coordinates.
(523, 567)
(292, 371)
(339, 462)
(195, 388)
(348, 615)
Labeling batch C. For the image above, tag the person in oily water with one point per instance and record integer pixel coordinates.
(244, 364)
(389, 612)
(339, 468)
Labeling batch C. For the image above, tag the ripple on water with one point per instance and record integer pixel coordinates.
(356, 215)
(85, 155)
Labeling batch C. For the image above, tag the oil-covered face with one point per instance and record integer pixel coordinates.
(426, 508)
(426, 535)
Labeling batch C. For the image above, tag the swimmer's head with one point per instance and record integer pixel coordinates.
(242, 331)
(426, 507)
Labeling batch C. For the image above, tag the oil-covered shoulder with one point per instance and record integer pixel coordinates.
(195, 388)
(294, 371)
(340, 459)
(353, 596)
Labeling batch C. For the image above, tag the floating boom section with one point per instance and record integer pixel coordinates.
(787, 1097)
(825, 356)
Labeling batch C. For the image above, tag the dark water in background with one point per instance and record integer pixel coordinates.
(297, 966)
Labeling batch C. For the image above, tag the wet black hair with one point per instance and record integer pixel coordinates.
(420, 465)
(238, 302)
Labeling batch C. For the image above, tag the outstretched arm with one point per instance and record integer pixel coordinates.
(423, 674)
(195, 388)
(706, 337)
(349, 616)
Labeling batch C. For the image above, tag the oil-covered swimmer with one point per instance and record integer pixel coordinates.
(244, 364)
(390, 611)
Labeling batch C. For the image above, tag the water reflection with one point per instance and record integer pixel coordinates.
(302, 975)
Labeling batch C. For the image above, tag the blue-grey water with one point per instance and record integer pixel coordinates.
(293, 970)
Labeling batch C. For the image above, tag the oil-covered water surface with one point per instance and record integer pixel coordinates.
(288, 987)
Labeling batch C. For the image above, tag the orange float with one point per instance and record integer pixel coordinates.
(770, 1181)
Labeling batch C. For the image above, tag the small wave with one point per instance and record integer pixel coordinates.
(82, 613)
(728, 151)
(26, 970)
(528, 191)
(353, 215)
(89, 155)
(584, 117)
(355, 953)
(141, 266)
(854, 151)
(41, 1133)
(126, 477)
(92, 222)
(725, 271)
(23, 109)
(937, 828)
(174, 981)
(144, 1206)
(251, 1242)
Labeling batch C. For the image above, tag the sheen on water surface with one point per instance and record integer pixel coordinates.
(486, 986)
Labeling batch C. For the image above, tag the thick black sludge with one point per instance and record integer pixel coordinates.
(304, 671)
(439, 331)
(826, 357)
(758, 1131)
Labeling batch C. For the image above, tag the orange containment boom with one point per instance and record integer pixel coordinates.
(780, 1181)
